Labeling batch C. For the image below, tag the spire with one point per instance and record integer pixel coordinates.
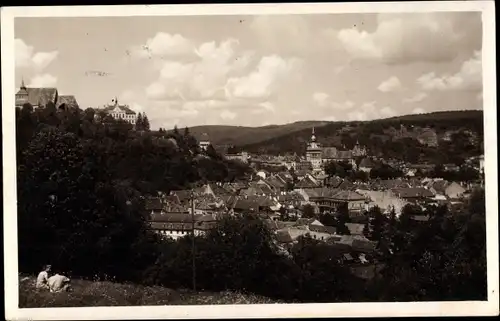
(23, 86)
(313, 137)
(116, 101)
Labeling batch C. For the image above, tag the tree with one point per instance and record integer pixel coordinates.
(139, 124)
(145, 122)
(308, 211)
(342, 219)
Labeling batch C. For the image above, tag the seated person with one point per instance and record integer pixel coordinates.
(59, 283)
(43, 278)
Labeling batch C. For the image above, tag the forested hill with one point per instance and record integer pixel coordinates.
(241, 135)
(392, 137)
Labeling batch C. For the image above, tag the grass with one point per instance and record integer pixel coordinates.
(103, 293)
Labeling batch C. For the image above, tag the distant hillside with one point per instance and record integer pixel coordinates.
(380, 136)
(240, 135)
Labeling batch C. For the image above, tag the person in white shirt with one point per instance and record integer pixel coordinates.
(43, 278)
(59, 283)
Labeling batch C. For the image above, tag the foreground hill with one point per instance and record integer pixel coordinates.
(241, 135)
(88, 293)
(380, 135)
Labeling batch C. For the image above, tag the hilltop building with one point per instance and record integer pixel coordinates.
(122, 112)
(40, 97)
(204, 141)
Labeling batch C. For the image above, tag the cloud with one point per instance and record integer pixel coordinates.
(261, 83)
(387, 112)
(356, 115)
(204, 78)
(228, 115)
(415, 99)
(479, 96)
(469, 77)
(25, 57)
(343, 106)
(321, 98)
(164, 45)
(402, 38)
(45, 80)
(418, 111)
(369, 111)
(390, 84)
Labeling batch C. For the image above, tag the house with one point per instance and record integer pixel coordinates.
(154, 206)
(241, 156)
(262, 174)
(413, 195)
(329, 200)
(355, 228)
(66, 102)
(454, 190)
(204, 141)
(306, 182)
(177, 225)
(122, 112)
(366, 165)
(385, 200)
(333, 182)
(36, 97)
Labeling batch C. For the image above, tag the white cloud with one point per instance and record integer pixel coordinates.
(45, 80)
(411, 37)
(343, 106)
(25, 57)
(469, 77)
(164, 45)
(390, 84)
(369, 111)
(228, 115)
(415, 99)
(387, 112)
(268, 106)
(418, 111)
(321, 98)
(261, 83)
(205, 78)
(357, 115)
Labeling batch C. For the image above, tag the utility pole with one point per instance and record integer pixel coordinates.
(193, 241)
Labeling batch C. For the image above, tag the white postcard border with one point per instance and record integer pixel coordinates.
(490, 307)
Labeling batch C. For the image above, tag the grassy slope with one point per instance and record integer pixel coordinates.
(238, 135)
(88, 293)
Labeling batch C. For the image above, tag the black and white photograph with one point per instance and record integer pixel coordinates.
(214, 161)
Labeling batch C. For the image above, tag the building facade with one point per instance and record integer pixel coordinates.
(122, 112)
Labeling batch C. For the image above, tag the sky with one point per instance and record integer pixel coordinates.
(258, 70)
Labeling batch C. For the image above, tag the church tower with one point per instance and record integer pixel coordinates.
(22, 95)
(314, 152)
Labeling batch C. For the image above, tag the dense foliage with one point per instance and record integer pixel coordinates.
(81, 184)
